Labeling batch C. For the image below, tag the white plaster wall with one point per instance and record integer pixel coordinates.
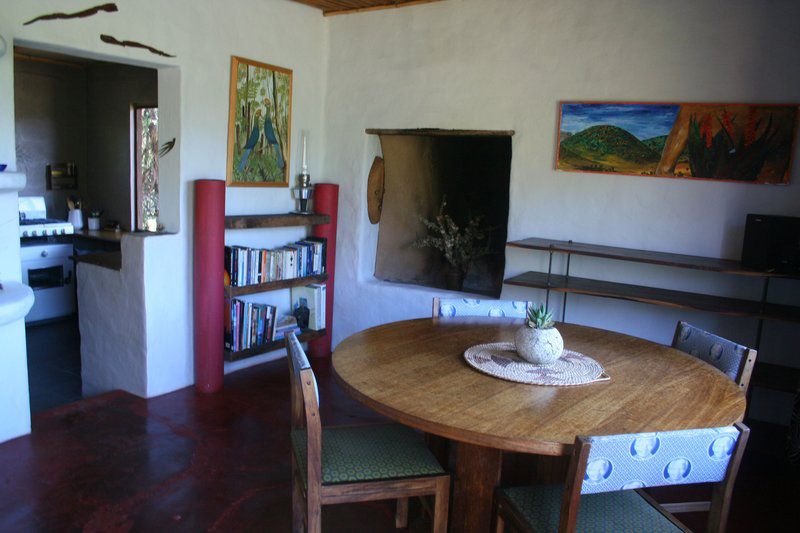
(193, 106)
(15, 413)
(474, 64)
(111, 319)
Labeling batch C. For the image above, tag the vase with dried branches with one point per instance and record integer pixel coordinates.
(460, 245)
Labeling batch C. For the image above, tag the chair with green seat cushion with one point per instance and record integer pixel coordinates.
(354, 463)
(601, 492)
(608, 511)
(365, 453)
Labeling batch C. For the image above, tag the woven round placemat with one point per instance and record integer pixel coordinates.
(500, 359)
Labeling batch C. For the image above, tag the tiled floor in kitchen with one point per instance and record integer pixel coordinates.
(54, 363)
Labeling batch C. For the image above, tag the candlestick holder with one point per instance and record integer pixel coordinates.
(303, 193)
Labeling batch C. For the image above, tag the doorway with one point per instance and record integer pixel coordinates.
(75, 136)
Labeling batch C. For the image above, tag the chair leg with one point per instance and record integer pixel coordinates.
(401, 517)
(314, 518)
(298, 508)
(498, 524)
(298, 501)
(441, 505)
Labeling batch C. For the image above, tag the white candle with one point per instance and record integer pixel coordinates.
(305, 165)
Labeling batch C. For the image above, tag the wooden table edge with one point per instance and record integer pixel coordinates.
(459, 435)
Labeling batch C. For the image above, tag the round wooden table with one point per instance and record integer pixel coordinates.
(414, 372)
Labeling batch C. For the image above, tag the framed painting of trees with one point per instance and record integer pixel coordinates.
(259, 124)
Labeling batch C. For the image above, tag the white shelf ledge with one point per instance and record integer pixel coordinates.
(16, 300)
(12, 181)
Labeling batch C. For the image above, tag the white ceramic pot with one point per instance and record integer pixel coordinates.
(75, 218)
(93, 223)
(539, 346)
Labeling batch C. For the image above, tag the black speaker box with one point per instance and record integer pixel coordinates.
(772, 243)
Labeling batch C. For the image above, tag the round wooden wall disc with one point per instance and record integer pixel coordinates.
(375, 190)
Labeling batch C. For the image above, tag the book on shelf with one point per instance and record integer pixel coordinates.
(285, 325)
(313, 297)
(252, 266)
(248, 324)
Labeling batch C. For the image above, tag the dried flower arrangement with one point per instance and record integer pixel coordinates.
(459, 245)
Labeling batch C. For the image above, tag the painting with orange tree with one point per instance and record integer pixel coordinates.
(749, 143)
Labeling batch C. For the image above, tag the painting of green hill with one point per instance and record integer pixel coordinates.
(656, 144)
(607, 148)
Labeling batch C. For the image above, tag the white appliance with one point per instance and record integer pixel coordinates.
(47, 269)
(33, 221)
(46, 266)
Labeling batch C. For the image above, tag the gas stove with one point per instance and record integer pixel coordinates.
(33, 221)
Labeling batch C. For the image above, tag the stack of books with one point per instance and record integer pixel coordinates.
(251, 266)
(312, 296)
(248, 324)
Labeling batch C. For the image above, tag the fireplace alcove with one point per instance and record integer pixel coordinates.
(472, 170)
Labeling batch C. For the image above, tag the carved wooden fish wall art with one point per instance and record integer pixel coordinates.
(107, 8)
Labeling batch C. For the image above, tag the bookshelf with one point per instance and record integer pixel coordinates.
(279, 220)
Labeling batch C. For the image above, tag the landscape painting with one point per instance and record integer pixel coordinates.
(259, 124)
(749, 143)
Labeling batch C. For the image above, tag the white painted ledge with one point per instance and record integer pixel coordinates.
(16, 300)
(12, 181)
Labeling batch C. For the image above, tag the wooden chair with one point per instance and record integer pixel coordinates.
(354, 463)
(733, 359)
(601, 490)
(449, 307)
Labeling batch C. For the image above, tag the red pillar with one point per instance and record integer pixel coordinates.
(209, 272)
(326, 201)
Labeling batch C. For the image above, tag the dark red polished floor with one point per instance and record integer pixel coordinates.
(186, 461)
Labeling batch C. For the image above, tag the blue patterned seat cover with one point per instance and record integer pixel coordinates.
(721, 353)
(450, 307)
(619, 462)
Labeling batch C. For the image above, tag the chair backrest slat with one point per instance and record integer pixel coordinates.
(450, 307)
(735, 360)
(619, 462)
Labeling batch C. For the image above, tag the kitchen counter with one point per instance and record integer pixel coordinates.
(101, 235)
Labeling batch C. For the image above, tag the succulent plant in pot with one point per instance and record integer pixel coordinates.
(538, 341)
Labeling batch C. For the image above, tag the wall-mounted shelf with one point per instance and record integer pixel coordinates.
(274, 221)
(767, 375)
(306, 335)
(725, 266)
(653, 295)
(274, 285)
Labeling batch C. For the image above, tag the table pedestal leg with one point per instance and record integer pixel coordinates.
(477, 475)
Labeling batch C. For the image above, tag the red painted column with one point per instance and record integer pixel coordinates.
(326, 201)
(209, 272)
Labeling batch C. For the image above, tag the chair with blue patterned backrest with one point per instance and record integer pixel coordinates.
(354, 463)
(601, 491)
(450, 307)
(733, 359)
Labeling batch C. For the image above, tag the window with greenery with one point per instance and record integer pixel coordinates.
(146, 149)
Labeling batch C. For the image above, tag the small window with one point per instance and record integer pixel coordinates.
(146, 150)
